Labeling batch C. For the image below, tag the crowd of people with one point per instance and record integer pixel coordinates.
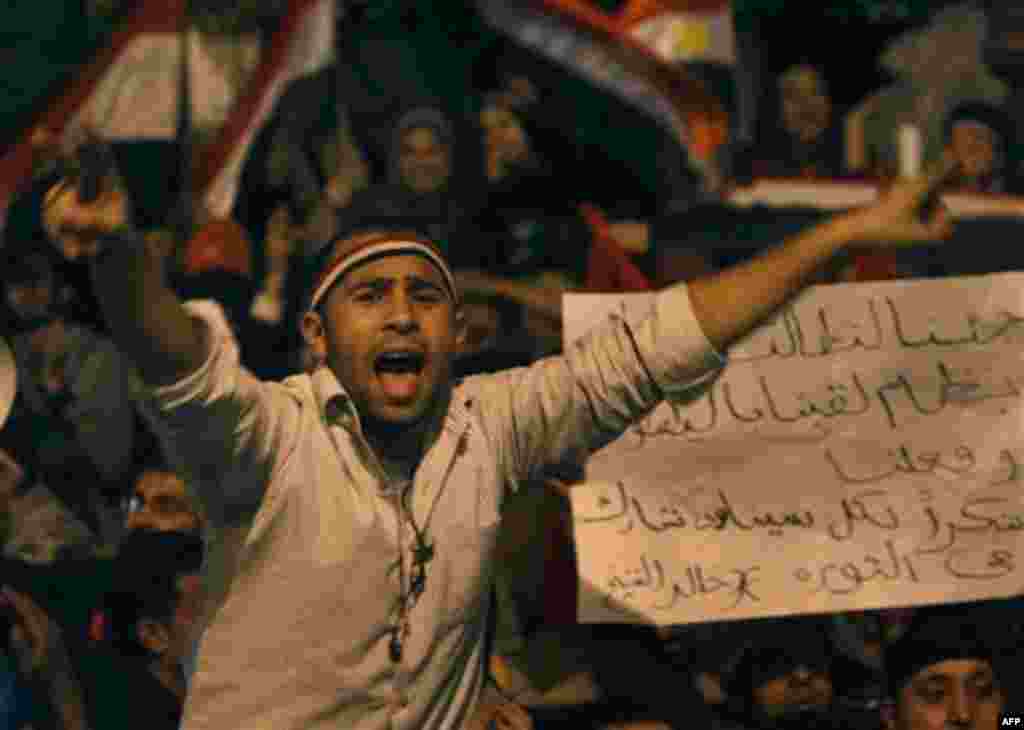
(104, 596)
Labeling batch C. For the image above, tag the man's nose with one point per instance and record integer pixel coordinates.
(137, 520)
(401, 315)
(960, 708)
(800, 676)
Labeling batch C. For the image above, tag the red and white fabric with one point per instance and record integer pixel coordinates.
(129, 91)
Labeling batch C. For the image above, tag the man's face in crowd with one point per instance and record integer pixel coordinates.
(31, 299)
(424, 160)
(800, 690)
(389, 331)
(504, 140)
(974, 147)
(806, 107)
(160, 502)
(72, 245)
(953, 694)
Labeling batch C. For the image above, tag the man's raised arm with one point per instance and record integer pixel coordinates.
(733, 302)
(220, 426)
(148, 322)
(564, 408)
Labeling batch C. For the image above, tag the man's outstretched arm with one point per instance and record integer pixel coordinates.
(561, 409)
(731, 303)
(147, 320)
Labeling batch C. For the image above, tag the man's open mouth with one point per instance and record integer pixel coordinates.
(399, 362)
(398, 372)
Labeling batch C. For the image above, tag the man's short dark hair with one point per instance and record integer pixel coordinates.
(145, 578)
(937, 634)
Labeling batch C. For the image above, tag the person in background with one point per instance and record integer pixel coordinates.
(979, 137)
(161, 502)
(150, 617)
(73, 424)
(141, 619)
(156, 599)
(429, 186)
(783, 679)
(313, 159)
(534, 221)
(31, 291)
(27, 231)
(943, 673)
(804, 141)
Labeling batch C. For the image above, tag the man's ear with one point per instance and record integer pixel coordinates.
(153, 635)
(312, 328)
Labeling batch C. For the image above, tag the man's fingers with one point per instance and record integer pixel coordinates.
(939, 173)
(28, 633)
(32, 617)
(917, 189)
(511, 716)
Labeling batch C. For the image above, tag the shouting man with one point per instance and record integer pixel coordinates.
(354, 509)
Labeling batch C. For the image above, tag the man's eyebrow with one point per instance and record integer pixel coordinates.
(380, 282)
(983, 673)
(384, 282)
(420, 282)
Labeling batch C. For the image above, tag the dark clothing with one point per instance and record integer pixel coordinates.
(17, 703)
(644, 681)
(782, 155)
(150, 704)
(536, 226)
(123, 694)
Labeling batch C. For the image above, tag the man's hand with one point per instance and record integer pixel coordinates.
(36, 639)
(498, 713)
(11, 475)
(895, 220)
(76, 227)
(731, 302)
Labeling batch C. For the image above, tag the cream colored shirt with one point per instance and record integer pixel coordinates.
(302, 559)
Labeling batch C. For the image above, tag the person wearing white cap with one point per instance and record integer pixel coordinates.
(354, 510)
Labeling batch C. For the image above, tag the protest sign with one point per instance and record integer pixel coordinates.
(860, 450)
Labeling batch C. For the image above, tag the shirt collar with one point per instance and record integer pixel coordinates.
(333, 403)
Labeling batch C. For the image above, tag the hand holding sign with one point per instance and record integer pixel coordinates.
(897, 219)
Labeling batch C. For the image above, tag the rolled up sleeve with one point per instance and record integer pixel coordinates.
(563, 408)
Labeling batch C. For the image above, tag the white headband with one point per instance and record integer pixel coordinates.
(375, 249)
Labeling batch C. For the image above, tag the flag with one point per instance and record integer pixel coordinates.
(682, 31)
(592, 44)
(603, 49)
(303, 45)
(130, 91)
